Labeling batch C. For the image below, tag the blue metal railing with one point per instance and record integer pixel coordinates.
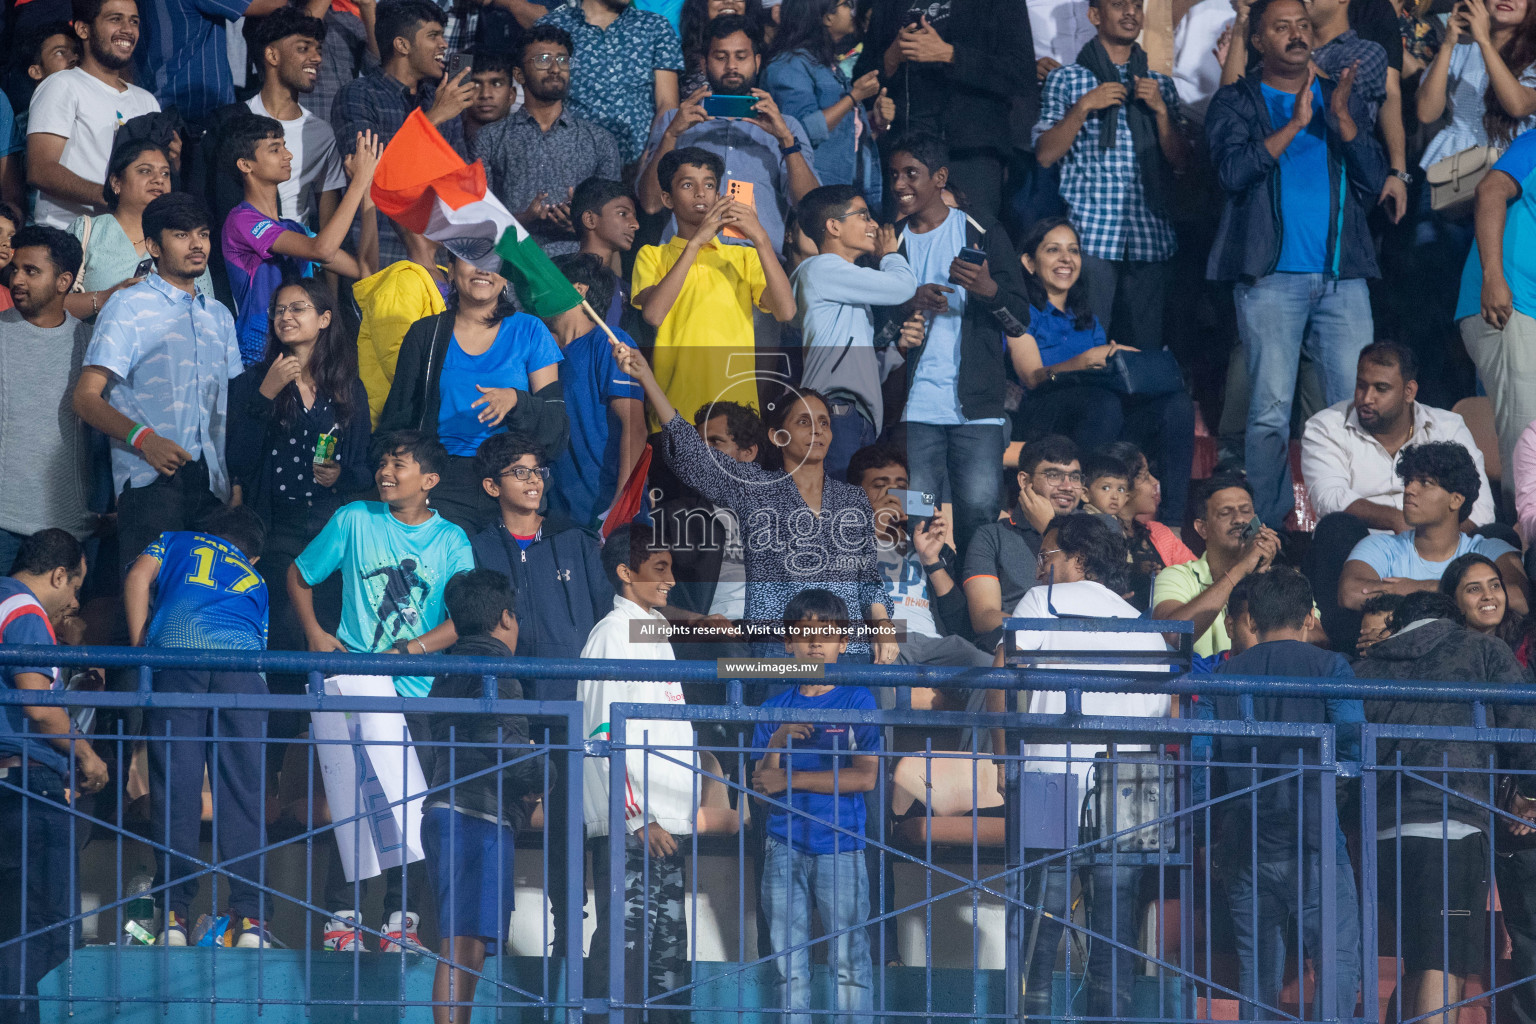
(1190, 976)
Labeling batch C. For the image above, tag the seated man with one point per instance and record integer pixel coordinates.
(1348, 455)
(1440, 485)
(1198, 590)
(1000, 562)
(915, 563)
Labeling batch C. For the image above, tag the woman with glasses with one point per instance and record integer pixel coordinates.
(138, 172)
(804, 78)
(298, 439)
(466, 374)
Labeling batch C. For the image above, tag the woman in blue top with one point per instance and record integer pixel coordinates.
(804, 79)
(1065, 336)
(479, 368)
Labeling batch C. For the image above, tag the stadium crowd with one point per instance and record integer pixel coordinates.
(912, 314)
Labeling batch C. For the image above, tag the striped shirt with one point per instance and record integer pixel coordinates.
(184, 56)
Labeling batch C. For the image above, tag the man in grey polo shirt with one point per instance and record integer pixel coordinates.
(535, 157)
(770, 150)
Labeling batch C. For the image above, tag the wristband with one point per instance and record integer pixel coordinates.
(929, 570)
(789, 150)
(138, 435)
(401, 647)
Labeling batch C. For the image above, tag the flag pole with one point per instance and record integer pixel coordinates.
(614, 338)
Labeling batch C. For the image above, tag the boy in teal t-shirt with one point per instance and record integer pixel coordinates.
(395, 557)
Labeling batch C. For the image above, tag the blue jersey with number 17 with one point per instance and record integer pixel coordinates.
(207, 595)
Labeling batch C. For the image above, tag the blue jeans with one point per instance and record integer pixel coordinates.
(1264, 910)
(962, 464)
(36, 824)
(1279, 317)
(1112, 894)
(839, 883)
(850, 432)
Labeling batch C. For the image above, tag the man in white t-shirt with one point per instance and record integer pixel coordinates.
(287, 46)
(1081, 570)
(75, 114)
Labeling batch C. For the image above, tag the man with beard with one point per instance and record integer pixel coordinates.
(629, 63)
(535, 158)
(287, 46)
(75, 113)
(1300, 176)
(769, 150)
(1198, 590)
(1348, 459)
(45, 456)
(166, 352)
(1115, 127)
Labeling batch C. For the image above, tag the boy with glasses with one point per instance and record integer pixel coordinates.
(556, 570)
(832, 297)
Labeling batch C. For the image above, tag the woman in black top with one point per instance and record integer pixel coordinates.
(278, 409)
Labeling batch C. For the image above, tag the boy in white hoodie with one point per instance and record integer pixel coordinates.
(659, 796)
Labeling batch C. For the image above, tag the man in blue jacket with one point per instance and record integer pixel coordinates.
(1300, 179)
(557, 574)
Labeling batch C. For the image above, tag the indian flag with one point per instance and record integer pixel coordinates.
(423, 185)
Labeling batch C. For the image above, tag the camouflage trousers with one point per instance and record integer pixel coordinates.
(655, 931)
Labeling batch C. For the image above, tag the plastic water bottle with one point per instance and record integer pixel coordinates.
(139, 912)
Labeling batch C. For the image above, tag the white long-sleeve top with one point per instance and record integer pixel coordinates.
(1342, 463)
(659, 786)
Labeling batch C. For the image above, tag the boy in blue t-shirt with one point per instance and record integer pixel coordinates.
(606, 405)
(199, 591)
(815, 849)
(395, 557)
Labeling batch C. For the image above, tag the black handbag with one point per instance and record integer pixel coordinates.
(1130, 373)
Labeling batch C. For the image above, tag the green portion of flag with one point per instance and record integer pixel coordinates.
(541, 289)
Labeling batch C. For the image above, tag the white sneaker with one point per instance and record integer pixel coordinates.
(341, 934)
(401, 937)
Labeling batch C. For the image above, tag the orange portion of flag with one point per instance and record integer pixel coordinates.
(419, 168)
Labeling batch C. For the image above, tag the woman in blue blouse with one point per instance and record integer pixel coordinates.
(1064, 336)
(804, 79)
(479, 368)
(800, 528)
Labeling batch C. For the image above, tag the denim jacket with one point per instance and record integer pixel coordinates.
(803, 88)
(1247, 243)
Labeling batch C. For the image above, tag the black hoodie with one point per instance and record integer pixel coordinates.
(1442, 651)
(481, 743)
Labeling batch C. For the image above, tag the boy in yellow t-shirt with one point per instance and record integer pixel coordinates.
(699, 294)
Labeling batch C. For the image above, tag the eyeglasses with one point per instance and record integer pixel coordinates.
(544, 60)
(296, 308)
(1048, 551)
(864, 213)
(1056, 477)
(526, 473)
